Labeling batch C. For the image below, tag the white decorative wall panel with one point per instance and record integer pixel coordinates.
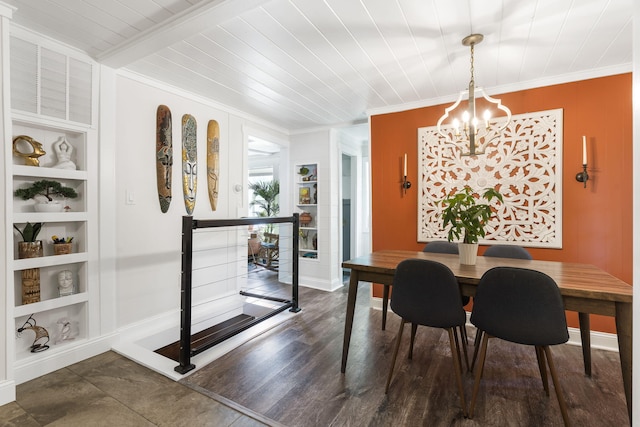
(524, 164)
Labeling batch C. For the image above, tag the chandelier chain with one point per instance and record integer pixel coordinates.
(472, 67)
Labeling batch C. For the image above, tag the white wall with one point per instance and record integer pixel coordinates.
(147, 240)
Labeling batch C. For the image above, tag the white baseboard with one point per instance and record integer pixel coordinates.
(321, 285)
(599, 340)
(44, 363)
(7, 392)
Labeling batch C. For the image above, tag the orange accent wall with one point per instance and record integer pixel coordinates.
(596, 221)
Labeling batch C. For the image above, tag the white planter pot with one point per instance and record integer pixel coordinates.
(468, 253)
(48, 207)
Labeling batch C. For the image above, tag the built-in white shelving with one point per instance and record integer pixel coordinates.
(46, 127)
(306, 202)
(75, 222)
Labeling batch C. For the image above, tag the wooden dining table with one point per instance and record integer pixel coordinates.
(585, 288)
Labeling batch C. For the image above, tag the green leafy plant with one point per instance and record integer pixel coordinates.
(46, 188)
(30, 231)
(265, 196)
(464, 216)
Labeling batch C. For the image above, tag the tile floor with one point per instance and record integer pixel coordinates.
(111, 390)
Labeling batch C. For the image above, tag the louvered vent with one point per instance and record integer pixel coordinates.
(79, 91)
(49, 83)
(53, 84)
(24, 75)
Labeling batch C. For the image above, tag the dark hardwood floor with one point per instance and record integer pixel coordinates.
(291, 374)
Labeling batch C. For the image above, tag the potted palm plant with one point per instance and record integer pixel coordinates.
(265, 197)
(465, 217)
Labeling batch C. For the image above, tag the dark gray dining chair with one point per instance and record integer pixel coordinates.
(437, 246)
(444, 247)
(499, 251)
(441, 247)
(522, 306)
(426, 293)
(507, 251)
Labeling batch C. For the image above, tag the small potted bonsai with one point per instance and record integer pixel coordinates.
(30, 247)
(43, 193)
(465, 217)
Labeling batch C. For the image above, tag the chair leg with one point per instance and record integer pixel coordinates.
(542, 366)
(395, 354)
(414, 328)
(476, 384)
(476, 346)
(385, 305)
(457, 366)
(463, 339)
(556, 385)
(463, 331)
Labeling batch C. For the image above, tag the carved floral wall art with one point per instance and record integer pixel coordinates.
(524, 164)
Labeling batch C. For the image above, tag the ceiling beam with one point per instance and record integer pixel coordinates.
(198, 18)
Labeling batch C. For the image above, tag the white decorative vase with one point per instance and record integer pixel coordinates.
(468, 253)
(48, 207)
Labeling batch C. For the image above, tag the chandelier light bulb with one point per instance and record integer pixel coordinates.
(465, 117)
(486, 116)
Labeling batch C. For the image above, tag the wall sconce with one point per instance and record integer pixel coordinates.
(583, 176)
(405, 184)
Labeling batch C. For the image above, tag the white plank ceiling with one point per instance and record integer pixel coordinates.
(306, 63)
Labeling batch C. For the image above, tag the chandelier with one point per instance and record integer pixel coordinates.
(469, 130)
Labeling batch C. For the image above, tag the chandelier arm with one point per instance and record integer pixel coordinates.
(446, 115)
(499, 106)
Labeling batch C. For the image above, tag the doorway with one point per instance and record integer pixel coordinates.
(355, 187)
(347, 211)
(263, 166)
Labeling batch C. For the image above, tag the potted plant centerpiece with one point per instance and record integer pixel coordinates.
(463, 215)
(30, 247)
(43, 193)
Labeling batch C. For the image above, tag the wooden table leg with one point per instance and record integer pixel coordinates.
(385, 305)
(348, 322)
(624, 327)
(585, 336)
